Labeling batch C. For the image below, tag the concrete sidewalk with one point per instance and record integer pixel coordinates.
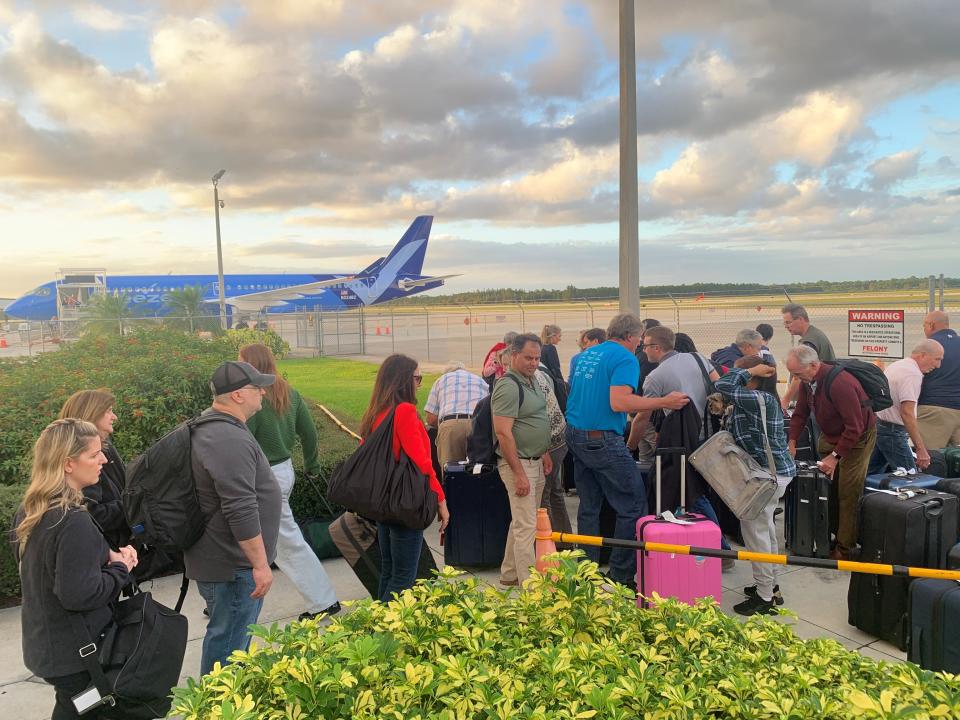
(818, 597)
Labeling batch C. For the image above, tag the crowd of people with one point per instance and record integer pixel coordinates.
(631, 388)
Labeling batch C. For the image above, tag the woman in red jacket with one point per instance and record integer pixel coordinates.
(395, 390)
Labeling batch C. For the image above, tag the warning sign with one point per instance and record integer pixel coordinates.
(875, 333)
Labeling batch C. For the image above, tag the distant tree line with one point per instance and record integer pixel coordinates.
(509, 295)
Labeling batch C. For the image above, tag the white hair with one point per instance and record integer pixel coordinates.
(453, 366)
(804, 355)
(749, 337)
(927, 346)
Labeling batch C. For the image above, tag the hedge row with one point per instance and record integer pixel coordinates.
(159, 376)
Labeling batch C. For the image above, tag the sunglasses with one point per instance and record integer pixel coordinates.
(418, 379)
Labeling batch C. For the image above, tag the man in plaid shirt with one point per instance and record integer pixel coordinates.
(449, 406)
(749, 383)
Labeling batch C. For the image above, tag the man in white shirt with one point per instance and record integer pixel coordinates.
(899, 422)
(449, 407)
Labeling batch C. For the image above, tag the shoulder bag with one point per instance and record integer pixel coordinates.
(731, 471)
(373, 484)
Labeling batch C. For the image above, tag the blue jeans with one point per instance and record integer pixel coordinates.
(892, 449)
(605, 469)
(702, 506)
(231, 610)
(399, 558)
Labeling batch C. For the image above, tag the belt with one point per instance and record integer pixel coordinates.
(891, 424)
(529, 458)
(455, 416)
(595, 433)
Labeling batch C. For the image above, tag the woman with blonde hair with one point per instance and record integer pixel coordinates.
(283, 418)
(550, 336)
(104, 499)
(66, 564)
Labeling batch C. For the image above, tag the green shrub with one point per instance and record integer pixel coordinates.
(10, 497)
(159, 376)
(564, 649)
(245, 336)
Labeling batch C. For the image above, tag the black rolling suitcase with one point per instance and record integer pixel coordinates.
(479, 516)
(356, 538)
(916, 528)
(934, 630)
(807, 513)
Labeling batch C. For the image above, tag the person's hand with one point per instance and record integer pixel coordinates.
(522, 485)
(792, 448)
(118, 557)
(923, 458)
(762, 371)
(444, 515)
(675, 401)
(130, 552)
(785, 406)
(263, 579)
(547, 464)
(828, 465)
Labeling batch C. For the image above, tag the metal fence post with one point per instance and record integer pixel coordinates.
(426, 312)
(676, 311)
(592, 322)
(393, 337)
(470, 328)
(363, 332)
(943, 282)
(523, 318)
(932, 304)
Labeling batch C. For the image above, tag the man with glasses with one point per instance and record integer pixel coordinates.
(938, 407)
(241, 500)
(601, 395)
(797, 322)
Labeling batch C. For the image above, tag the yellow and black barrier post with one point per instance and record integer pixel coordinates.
(746, 555)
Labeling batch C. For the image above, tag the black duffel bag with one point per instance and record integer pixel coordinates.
(373, 484)
(136, 661)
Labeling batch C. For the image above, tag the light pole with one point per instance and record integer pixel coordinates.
(217, 204)
(629, 210)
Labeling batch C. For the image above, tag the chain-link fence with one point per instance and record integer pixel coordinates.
(465, 333)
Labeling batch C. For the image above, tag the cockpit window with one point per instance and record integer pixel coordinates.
(42, 291)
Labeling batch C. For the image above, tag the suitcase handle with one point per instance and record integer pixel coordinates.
(683, 476)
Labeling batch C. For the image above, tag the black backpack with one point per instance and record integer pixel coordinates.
(870, 377)
(160, 499)
(482, 441)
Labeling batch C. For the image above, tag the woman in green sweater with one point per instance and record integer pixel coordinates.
(283, 418)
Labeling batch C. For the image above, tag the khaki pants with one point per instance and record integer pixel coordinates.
(847, 486)
(939, 426)
(452, 440)
(520, 554)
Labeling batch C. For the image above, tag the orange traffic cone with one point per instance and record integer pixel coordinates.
(378, 329)
(387, 329)
(545, 543)
(3, 342)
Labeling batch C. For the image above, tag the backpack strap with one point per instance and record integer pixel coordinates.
(828, 380)
(90, 656)
(519, 388)
(709, 388)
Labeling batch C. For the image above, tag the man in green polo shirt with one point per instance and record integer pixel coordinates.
(522, 430)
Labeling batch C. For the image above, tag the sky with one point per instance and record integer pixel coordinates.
(777, 141)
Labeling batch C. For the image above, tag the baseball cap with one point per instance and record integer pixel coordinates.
(234, 374)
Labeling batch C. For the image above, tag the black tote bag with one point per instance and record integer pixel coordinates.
(372, 484)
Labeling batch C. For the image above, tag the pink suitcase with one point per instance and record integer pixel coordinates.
(684, 577)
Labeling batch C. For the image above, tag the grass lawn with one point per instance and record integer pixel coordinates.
(343, 386)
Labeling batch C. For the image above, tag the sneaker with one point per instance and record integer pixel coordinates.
(728, 564)
(755, 605)
(329, 612)
(751, 591)
(510, 583)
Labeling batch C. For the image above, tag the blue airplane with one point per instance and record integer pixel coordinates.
(395, 276)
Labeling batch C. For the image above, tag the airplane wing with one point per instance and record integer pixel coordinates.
(410, 284)
(281, 295)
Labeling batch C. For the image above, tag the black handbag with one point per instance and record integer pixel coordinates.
(373, 484)
(136, 661)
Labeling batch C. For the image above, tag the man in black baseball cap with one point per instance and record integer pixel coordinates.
(235, 375)
(241, 500)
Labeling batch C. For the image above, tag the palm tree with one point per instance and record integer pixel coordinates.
(106, 313)
(188, 307)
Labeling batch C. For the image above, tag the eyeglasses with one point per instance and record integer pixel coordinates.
(418, 379)
(649, 345)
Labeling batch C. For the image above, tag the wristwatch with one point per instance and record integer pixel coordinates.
(834, 455)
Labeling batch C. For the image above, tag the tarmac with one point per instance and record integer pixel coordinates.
(817, 597)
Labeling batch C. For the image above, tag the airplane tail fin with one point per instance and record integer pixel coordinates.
(408, 254)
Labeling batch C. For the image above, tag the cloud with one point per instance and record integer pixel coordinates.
(892, 169)
(100, 18)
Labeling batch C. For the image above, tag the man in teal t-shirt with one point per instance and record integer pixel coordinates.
(601, 395)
